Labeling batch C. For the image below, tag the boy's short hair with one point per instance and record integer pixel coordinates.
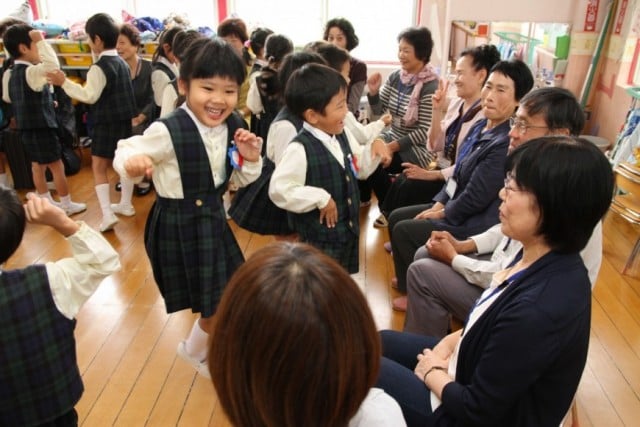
(12, 223)
(16, 35)
(334, 55)
(104, 26)
(205, 58)
(312, 87)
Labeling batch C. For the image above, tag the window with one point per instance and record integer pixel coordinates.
(377, 22)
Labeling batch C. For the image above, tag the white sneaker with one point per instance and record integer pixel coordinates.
(123, 209)
(73, 208)
(200, 366)
(108, 222)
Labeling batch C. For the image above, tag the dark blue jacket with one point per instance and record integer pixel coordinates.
(521, 362)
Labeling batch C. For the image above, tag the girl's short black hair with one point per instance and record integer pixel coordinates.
(277, 46)
(12, 223)
(334, 55)
(205, 58)
(572, 182)
(105, 27)
(312, 87)
(294, 61)
(258, 39)
(421, 40)
(346, 27)
(166, 37)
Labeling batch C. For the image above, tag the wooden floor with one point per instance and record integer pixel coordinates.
(127, 343)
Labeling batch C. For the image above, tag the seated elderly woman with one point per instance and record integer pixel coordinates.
(468, 203)
(295, 344)
(520, 356)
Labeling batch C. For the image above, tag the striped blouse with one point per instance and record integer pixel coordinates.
(394, 98)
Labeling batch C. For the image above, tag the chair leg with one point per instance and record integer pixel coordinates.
(633, 255)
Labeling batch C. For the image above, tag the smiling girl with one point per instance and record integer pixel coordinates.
(190, 246)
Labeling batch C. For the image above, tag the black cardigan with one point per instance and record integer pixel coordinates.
(521, 362)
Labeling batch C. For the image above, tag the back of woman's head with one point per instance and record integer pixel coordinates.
(12, 223)
(294, 342)
(572, 182)
(206, 58)
(484, 57)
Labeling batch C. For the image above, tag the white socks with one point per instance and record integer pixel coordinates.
(102, 191)
(196, 344)
(126, 188)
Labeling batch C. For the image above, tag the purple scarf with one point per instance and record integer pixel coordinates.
(426, 74)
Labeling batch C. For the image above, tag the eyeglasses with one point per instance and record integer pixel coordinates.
(507, 183)
(522, 126)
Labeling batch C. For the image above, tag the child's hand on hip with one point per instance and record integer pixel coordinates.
(249, 145)
(139, 165)
(329, 214)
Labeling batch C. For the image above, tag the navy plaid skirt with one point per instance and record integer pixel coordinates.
(192, 251)
(253, 210)
(105, 137)
(41, 145)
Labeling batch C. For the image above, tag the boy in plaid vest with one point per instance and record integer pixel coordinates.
(33, 108)
(109, 91)
(316, 180)
(39, 378)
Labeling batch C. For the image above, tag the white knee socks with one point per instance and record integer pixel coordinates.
(196, 344)
(102, 191)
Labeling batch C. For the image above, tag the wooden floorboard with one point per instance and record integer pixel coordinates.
(126, 342)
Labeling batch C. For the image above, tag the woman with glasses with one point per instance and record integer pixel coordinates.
(467, 203)
(520, 356)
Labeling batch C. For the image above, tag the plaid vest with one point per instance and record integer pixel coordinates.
(32, 110)
(195, 171)
(117, 102)
(39, 377)
(325, 172)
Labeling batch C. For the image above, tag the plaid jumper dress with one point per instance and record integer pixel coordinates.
(324, 171)
(251, 207)
(192, 250)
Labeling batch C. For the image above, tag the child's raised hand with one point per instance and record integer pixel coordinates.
(249, 145)
(139, 165)
(380, 149)
(386, 119)
(36, 35)
(329, 214)
(40, 211)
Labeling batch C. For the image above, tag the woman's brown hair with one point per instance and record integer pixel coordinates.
(294, 341)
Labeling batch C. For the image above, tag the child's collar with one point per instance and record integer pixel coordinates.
(318, 133)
